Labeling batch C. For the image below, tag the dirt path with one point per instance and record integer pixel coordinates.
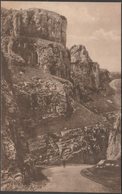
(69, 179)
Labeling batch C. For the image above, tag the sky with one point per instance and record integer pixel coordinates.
(97, 26)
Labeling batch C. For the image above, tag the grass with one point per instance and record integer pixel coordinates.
(109, 176)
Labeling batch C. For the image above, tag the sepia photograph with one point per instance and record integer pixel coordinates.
(61, 96)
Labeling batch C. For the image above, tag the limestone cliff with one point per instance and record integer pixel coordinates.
(44, 84)
(114, 143)
(27, 23)
(86, 75)
(15, 150)
(84, 72)
(33, 55)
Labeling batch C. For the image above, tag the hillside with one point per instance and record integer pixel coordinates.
(81, 117)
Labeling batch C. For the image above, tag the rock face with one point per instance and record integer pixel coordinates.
(84, 68)
(14, 143)
(27, 23)
(49, 56)
(105, 77)
(35, 62)
(114, 143)
(79, 145)
(86, 75)
(32, 58)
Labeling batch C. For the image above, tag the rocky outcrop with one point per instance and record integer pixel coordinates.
(39, 96)
(37, 65)
(80, 145)
(105, 77)
(48, 56)
(86, 75)
(84, 68)
(27, 23)
(114, 143)
(34, 67)
(16, 156)
(14, 144)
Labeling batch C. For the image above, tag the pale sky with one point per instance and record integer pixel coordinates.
(95, 25)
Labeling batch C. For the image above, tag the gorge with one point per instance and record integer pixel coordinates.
(57, 103)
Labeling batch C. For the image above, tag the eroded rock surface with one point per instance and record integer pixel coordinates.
(80, 145)
(27, 23)
(86, 75)
(114, 143)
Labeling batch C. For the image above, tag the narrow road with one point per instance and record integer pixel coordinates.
(69, 179)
